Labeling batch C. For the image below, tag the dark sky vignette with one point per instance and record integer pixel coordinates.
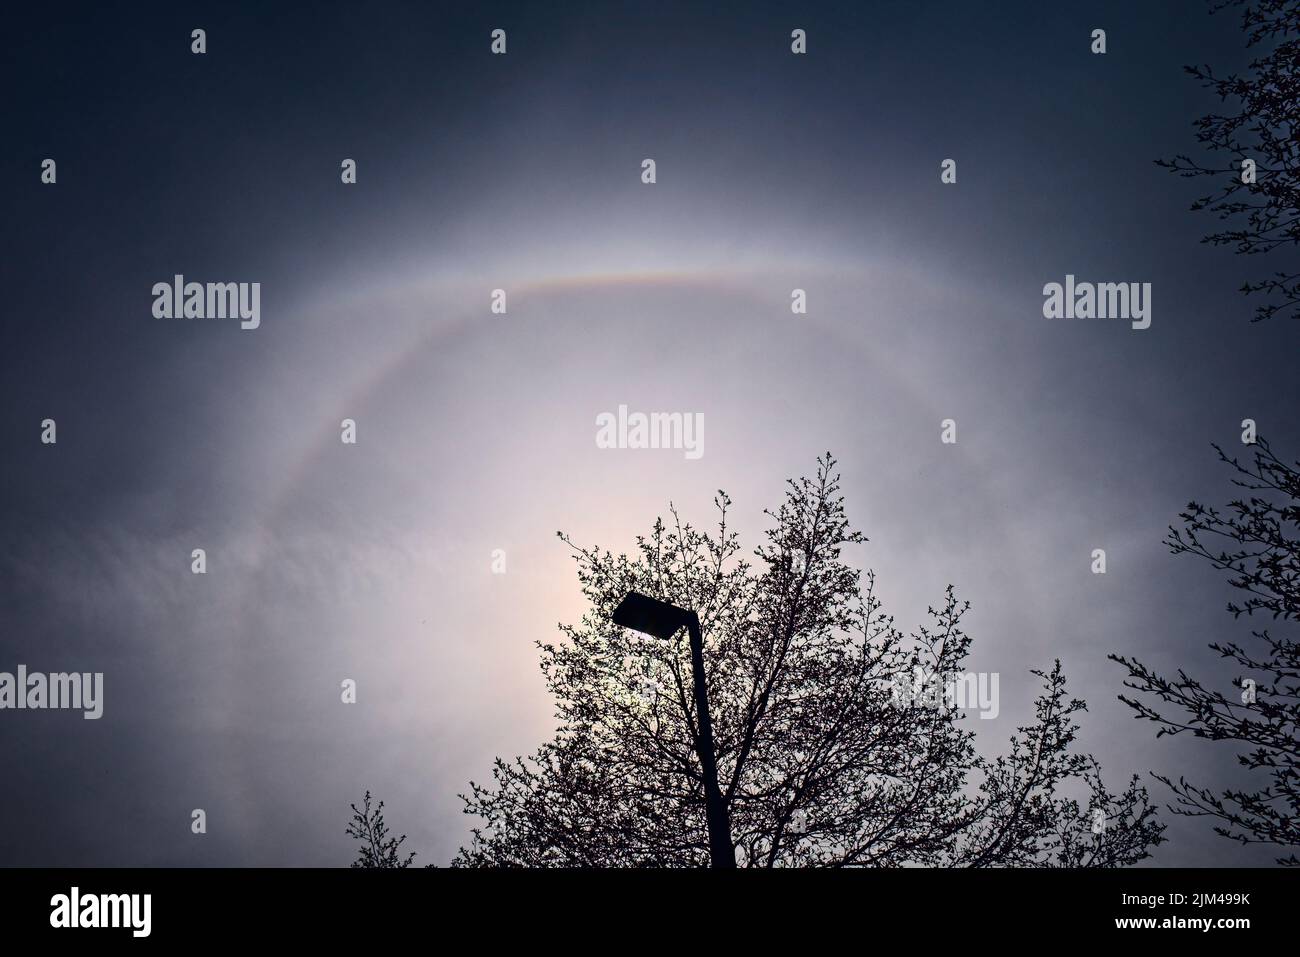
(523, 172)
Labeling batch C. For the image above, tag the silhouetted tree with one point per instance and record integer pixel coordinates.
(1257, 542)
(1261, 127)
(826, 756)
(377, 848)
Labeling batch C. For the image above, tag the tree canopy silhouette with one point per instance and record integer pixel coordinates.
(378, 850)
(1256, 540)
(824, 756)
(1261, 206)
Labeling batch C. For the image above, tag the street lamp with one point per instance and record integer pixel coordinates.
(660, 619)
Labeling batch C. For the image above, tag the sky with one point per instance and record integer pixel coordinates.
(476, 431)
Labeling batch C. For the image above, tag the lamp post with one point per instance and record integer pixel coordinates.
(661, 620)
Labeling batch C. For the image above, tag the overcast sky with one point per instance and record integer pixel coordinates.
(476, 431)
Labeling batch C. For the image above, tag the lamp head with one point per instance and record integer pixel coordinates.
(649, 615)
